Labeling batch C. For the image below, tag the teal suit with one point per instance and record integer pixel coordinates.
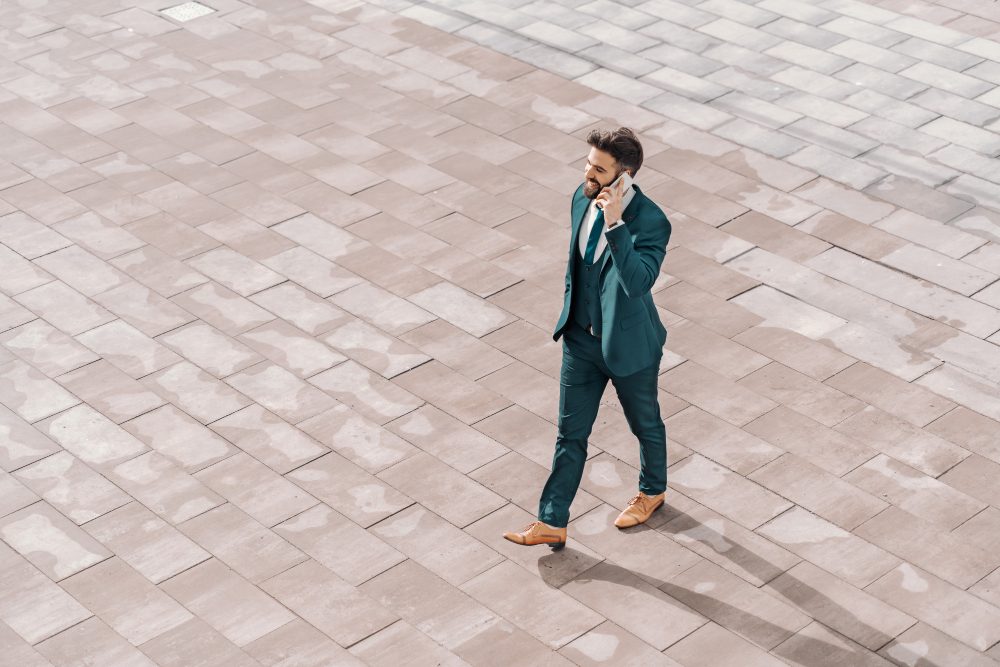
(626, 348)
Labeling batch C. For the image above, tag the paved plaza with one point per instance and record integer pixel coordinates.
(278, 281)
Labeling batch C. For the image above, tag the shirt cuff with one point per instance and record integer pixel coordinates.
(613, 225)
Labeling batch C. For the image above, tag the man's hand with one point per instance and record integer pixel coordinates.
(610, 200)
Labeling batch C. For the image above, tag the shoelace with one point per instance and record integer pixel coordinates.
(637, 500)
(531, 528)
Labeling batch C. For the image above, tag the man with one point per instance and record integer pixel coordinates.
(611, 331)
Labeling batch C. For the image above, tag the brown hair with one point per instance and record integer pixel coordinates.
(621, 144)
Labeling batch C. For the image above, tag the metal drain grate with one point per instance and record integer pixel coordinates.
(187, 11)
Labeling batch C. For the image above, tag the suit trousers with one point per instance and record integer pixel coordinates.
(582, 381)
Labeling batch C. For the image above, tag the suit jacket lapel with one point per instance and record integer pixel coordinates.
(580, 205)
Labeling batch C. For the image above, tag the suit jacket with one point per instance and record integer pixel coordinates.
(632, 336)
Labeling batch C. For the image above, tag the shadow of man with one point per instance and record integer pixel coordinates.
(803, 650)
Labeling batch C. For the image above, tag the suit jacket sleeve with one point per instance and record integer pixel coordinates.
(639, 263)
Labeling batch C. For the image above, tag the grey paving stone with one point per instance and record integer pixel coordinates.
(746, 59)
(682, 59)
(739, 34)
(498, 39)
(963, 134)
(943, 56)
(988, 70)
(864, 31)
(890, 108)
(813, 58)
(971, 188)
(686, 111)
(435, 17)
(918, 27)
(803, 33)
(751, 85)
(623, 38)
(492, 13)
(677, 34)
(947, 80)
(556, 36)
(770, 142)
(755, 109)
(876, 56)
(829, 168)
(747, 14)
(554, 60)
(896, 161)
(565, 17)
(933, 203)
(619, 85)
(692, 87)
(900, 136)
(679, 12)
(829, 136)
(836, 167)
(957, 107)
(613, 12)
(818, 108)
(972, 162)
(799, 11)
(890, 84)
(618, 60)
(818, 84)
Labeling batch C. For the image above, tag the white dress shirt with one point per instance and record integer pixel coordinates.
(588, 225)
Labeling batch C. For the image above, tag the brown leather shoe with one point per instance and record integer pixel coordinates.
(537, 532)
(639, 509)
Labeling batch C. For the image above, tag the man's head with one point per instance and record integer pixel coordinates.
(611, 153)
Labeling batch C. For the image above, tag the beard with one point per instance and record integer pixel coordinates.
(593, 188)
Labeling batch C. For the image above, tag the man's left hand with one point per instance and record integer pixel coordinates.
(610, 200)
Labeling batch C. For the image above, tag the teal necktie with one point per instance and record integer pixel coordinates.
(595, 233)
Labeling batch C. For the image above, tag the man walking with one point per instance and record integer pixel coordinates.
(611, 331)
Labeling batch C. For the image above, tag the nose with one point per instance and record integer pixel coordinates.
(590, 173)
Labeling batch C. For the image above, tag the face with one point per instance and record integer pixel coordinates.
(601, 171)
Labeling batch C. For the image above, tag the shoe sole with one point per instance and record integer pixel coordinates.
(555, 546)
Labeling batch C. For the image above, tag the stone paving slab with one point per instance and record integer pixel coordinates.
(277, 287)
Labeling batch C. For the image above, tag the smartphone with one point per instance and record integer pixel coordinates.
(626, 179)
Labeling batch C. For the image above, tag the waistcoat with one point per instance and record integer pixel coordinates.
(585, 301)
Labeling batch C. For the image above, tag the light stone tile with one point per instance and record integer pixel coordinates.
(153, 547)
(940, 605)
(319, 596)
(268, 438)
(553, 617)
(30, 394)
(95, 642)
(351, 552)
(234, 607)
(71, 487)
(33, 606)
(180, 438)
(92, 437)
(735, 604)
(834, 549)
(250, 549)
(129, 603)
(50, 541)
